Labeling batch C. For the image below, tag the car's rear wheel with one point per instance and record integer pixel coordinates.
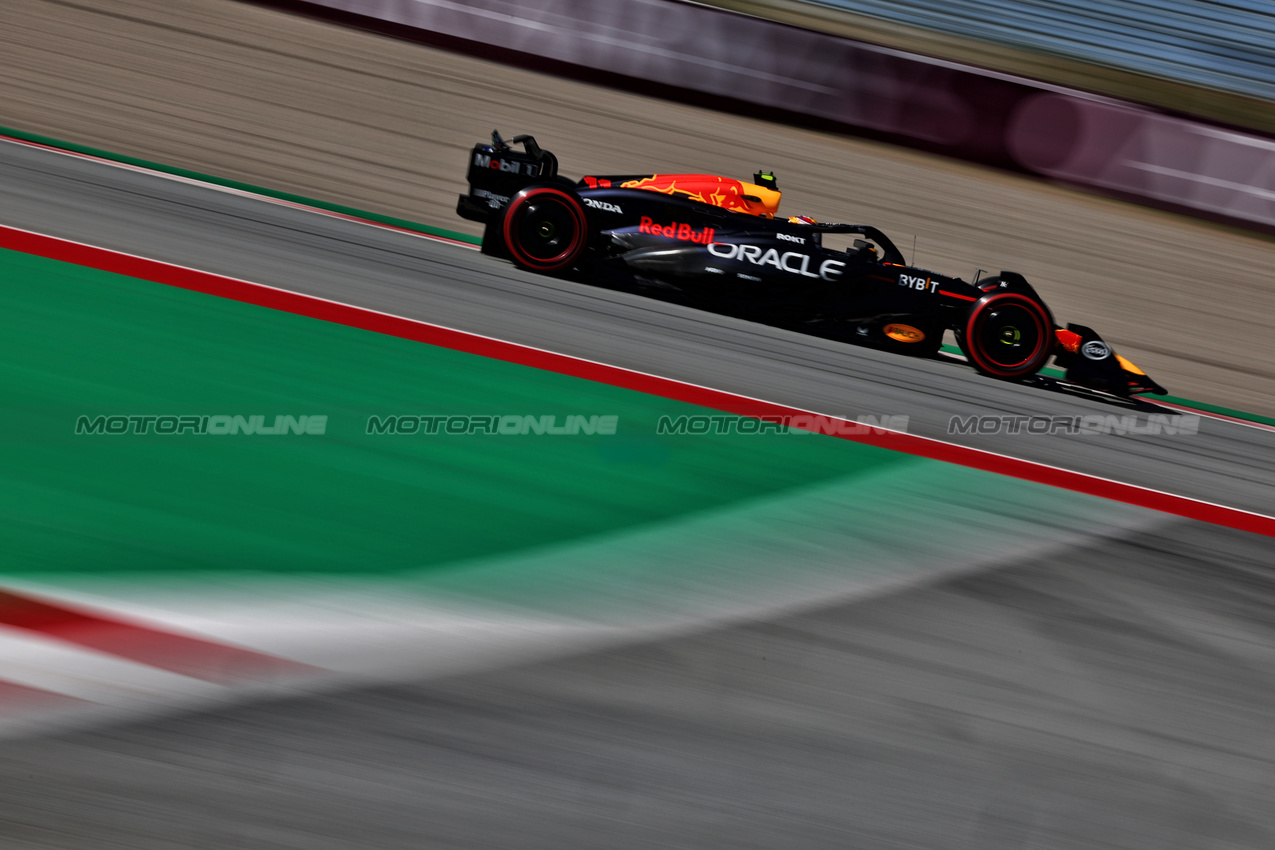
(544, 229)
(1007, 335)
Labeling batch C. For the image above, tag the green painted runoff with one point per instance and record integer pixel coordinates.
(83, 343)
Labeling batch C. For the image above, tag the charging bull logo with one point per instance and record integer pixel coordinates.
(721, 192)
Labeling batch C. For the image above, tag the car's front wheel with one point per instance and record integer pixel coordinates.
(1007, 335)
(544, 229)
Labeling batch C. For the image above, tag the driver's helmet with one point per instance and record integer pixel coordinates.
(801, 219)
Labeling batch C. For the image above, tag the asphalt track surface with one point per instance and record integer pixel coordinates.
(226, 233)
(1116, 694)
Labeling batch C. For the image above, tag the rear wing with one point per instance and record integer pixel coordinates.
(497, 172)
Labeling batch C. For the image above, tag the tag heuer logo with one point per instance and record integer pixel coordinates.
(1095, 350)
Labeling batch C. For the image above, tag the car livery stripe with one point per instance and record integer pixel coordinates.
(419, 331)
(956, 295)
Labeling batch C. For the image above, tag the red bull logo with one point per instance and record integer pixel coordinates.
(676, 230)
(721, 192)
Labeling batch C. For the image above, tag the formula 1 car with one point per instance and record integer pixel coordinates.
(716, 243)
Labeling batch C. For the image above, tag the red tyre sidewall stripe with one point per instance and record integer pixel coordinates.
(565, 259)
(1038, 313)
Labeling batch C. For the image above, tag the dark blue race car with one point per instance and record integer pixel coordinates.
(718, 243)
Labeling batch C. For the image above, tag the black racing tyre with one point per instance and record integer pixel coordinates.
(1007, 335)
(544, 229)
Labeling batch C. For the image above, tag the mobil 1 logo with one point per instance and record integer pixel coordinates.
(508, 166)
